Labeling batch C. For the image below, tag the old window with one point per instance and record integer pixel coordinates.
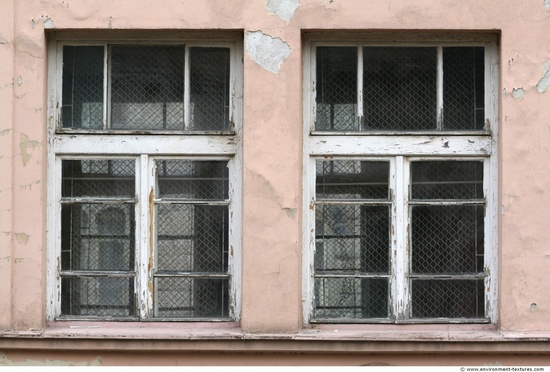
(401, 180)
(143, 180)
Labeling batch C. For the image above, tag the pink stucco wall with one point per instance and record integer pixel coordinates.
(272, 174)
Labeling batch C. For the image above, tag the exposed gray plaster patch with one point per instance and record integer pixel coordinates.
(267, 51)
(545, 81)
(48, 23)
(283, 8)
(504, 93)
(547, 4)
(518, 93)
(6, 361)
(19, 80)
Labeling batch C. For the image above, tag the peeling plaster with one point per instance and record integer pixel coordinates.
(543, 83)
(547, 5)
(283, 8)
(4, 132)
(19, 80)
(518, 93)
(25, 144)
(48, 23)
(22, 238)
(6, 361)
(267, 51)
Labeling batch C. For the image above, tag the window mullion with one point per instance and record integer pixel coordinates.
(439, 81)
(106, 87)
(186, 89)
(360, 88)
(144, 236)
(400, 239)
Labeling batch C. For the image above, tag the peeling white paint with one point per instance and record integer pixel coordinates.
(543, 83)
(267, 51)
(48, 23)
(283, 8)
(518, 93)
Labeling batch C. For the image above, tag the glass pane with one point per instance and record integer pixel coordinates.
(193, 180)
(448, 298)
(192, 298)
(447, 239)
(147, 87)
(98, 178)
(336, 88)
(209, 101)
(192, 238)
(463, 88)
(352, 238)
(399, 88)
(447, 180)
(352, 179)
(97, 237)
(101, 297)
(351, 298)
(82, 101)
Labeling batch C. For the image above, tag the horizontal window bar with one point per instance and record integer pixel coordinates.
(92, 273)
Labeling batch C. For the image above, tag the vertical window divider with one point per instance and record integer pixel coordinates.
(439, 82)
(400, 240)
(360, 87)
(143, 256)
(106, 86)
(186, 88)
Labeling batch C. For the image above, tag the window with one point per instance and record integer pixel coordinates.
(143, 180)
(400, 172)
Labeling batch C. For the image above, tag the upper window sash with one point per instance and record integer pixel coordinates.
(149, 87)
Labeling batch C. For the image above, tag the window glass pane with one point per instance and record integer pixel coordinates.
(463, 88)
(147, 87)
(192, 298)
(447, 180)
(192, 237)
(352, 179)
(351, 298)
(197, 180)
(352, 238)
(436, 298)
(399, 88)
(97, 237)
(101, 297)
(447, 239)
(336, 88)
(82, 101)
(209, 79)
(98, 178)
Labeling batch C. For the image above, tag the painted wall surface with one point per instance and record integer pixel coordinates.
(272, 144)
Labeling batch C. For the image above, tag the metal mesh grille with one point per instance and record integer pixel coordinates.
(196, 180)
(336, 89)
(447, 180)
(352, 298)
(447, 239)
(399, 88)
(448, 298)
(82, 100)
(463, 88)
(352, 179)
(209, 79)
(352, 238)
(147, 85)
(192, 298)
(98, 178)
(98, 296)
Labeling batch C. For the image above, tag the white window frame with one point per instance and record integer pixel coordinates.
(400, 148)
(144, 148)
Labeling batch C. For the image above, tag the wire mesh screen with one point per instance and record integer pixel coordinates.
(447, 239)
(336, 89)
(447, 180)
(193, 180)
(82, 98)
(463, 298)
(147, 87)
(463, 88)
(179, 297)
(209, 79)
(351, 298)
(399, 88)
(98, 296)
(352, 179)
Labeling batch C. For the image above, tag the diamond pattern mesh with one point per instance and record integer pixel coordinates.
(463, 88)
(448, 298)
(209, 79)
(147, 85)
(352, 179)
(98, 178)
(447, 180)
(197, 180)
(399, 88)
(82, 100)
(336, 89)
(98, 296)
(191, 298)
(447, 239)
(340, 298)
